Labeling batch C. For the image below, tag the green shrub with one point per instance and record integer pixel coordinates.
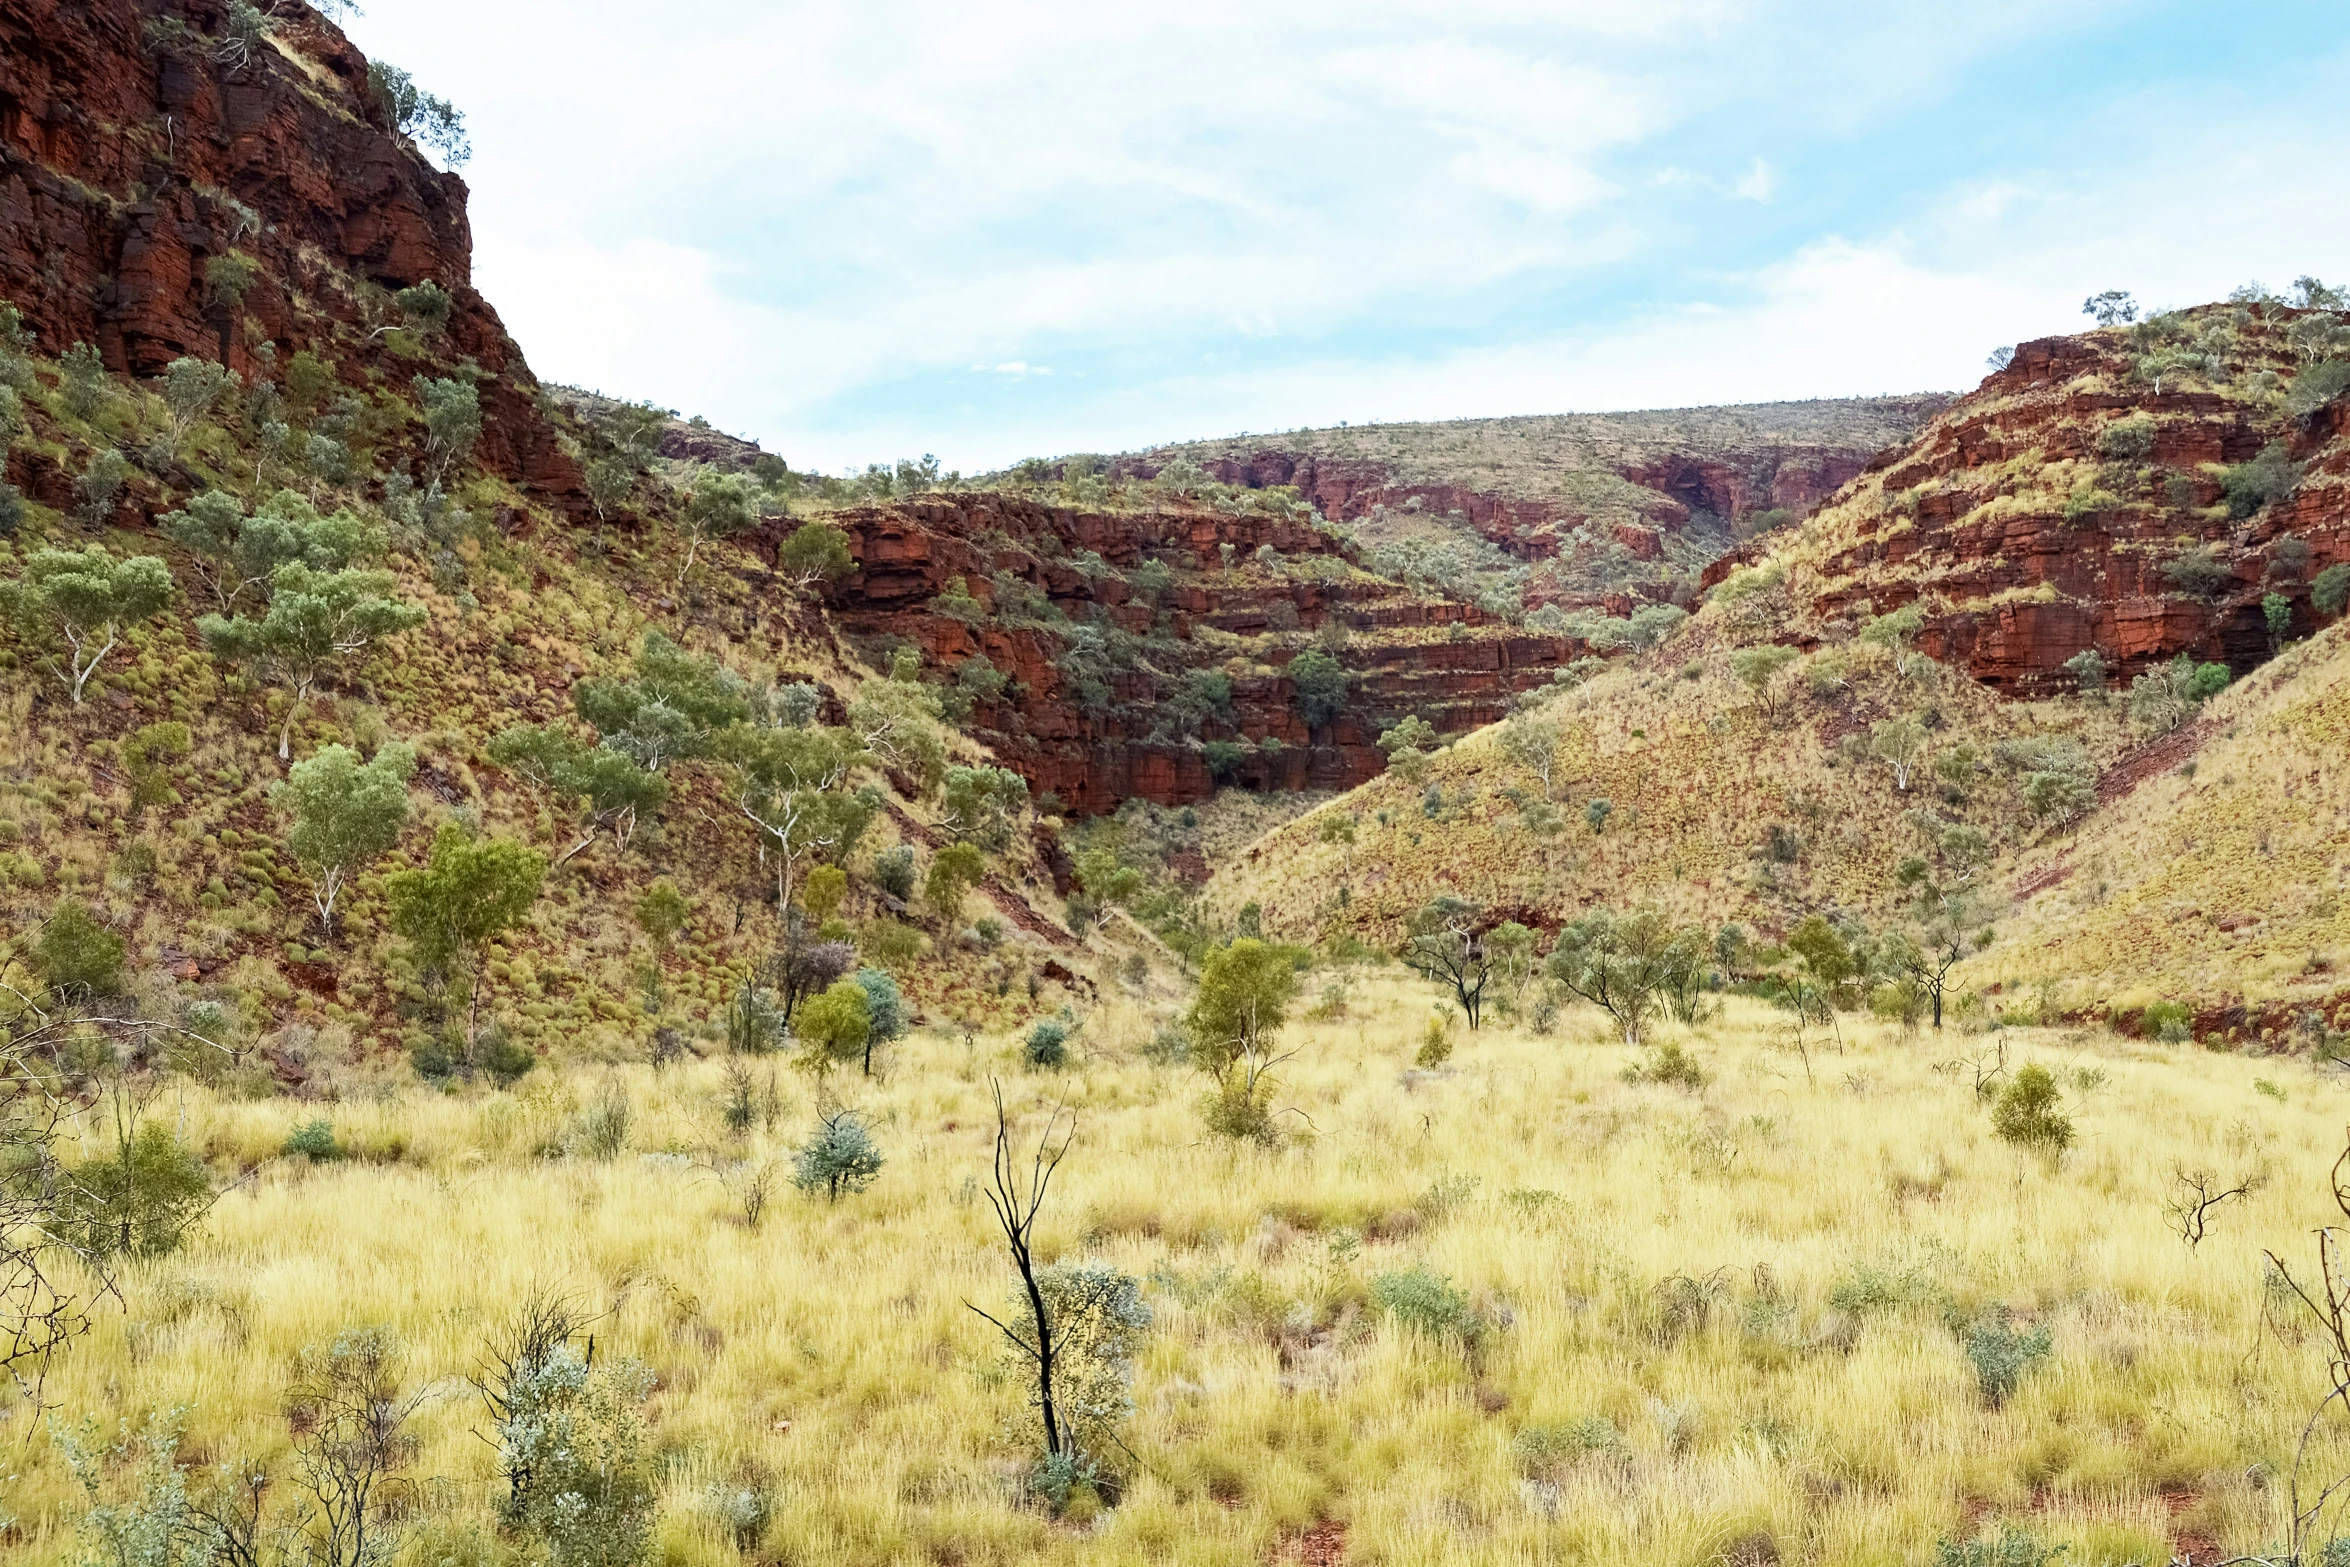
(2197, 571)
(2317, 386)
(2169, 1021)
(2000, 1354)
(1047, 1044)
(313, 1140)
(1426, 1302)
(894, 871)
(140, 1202)
(2027, 1111)
(2330, 591)
(1223, 758)
(833, 1026)
(1241, 1109)
(1169, 1045)
(2127, 440)
(78, 958)
(841, 1157)
(1669, 1063)
(2271, 476)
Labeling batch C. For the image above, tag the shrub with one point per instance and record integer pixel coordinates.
(754, 1021)
(2127, 440)
(1321, 686)
(78, 958)
(2330, 592)
(842, 1157)
(2001, 1355)
(1671, 1064)
(891, 943)
(834, 1025)
(1241, 1109)
(2027, 1111)
(1169, 1045)
(2271, 476)
(140, 1202)
(601, 1130)
(1425, 1301)
(1435, 1041)
(894, 872)
(2168, 1021)
(885, 1010)
(2317, 386)
(2197, 571)
(1047, 1044)
(313, 1140)
(572, 1438)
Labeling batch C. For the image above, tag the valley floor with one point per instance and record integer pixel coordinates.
(1746, 1322)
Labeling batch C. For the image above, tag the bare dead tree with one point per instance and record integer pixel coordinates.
(351, 1443)
(2316, 1513)
(1017, 1199)
(2197, 1193)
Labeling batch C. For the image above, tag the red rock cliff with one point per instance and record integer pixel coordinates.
(1287, 589)
(2029, 529)
(133, 156)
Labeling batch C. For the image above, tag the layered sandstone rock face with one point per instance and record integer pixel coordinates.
(2048, 512)
(134, 158)
(1671, 487)
(1288, 587)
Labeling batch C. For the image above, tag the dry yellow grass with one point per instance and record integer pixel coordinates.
(828, 1354)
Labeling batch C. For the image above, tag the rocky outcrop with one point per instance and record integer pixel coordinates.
(139, 156)
(1038, 598)
(2028, 530)
(1555, 487)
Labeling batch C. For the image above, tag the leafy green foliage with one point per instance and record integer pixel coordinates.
(835, 1026)
(1046, 1044)
(954, 871)
(607, 787)
(982, 804)
(85, 600)
(1320, 681)
(141, 1200)
(317, 623)
(2001, 1355)
(841, 1157)
(78, 958)
(2197, 572)
(1245, 991)
(346, 815)
(2330, 589)
(573, 1438)
(149, 756)
(2029, 1111)
(427, 120)
(2270, 476)
(672, 710)
(1425, 1301)
(816, 553)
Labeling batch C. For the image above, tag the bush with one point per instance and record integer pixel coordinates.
(2330, 592)
(1047, 1044)
(1435, 1041)
(601, 1130)
(2197, 572)
(572, 1438)
(2168, 1021)
(78, 958)
(894, 873)
(2271, 476)
(891, 943)
(2127, 440)
(1241, 1110)
(834, 1025)
(2001, 1355)
(140, 1202)
(842, 1157)
(2317, 386)
(2027, 1112)
(1169, 1045)
(313, 1140)
(1425, 1301)
(1223, 758)
(1668, 1063)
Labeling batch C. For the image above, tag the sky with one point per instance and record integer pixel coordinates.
(858, 230)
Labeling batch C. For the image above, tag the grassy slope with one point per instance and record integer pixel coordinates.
(828, 1359)
(1695, 775)
(2225, 878)
(1572, 456)
(516, 620)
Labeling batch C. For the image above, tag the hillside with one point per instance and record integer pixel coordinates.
(2136, 844)
(2221, 878)
(2138, 491)
(1599, 503)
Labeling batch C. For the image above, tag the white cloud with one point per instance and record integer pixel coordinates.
(859, 229)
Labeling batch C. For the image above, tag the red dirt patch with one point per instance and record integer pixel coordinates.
(1324, 1545)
